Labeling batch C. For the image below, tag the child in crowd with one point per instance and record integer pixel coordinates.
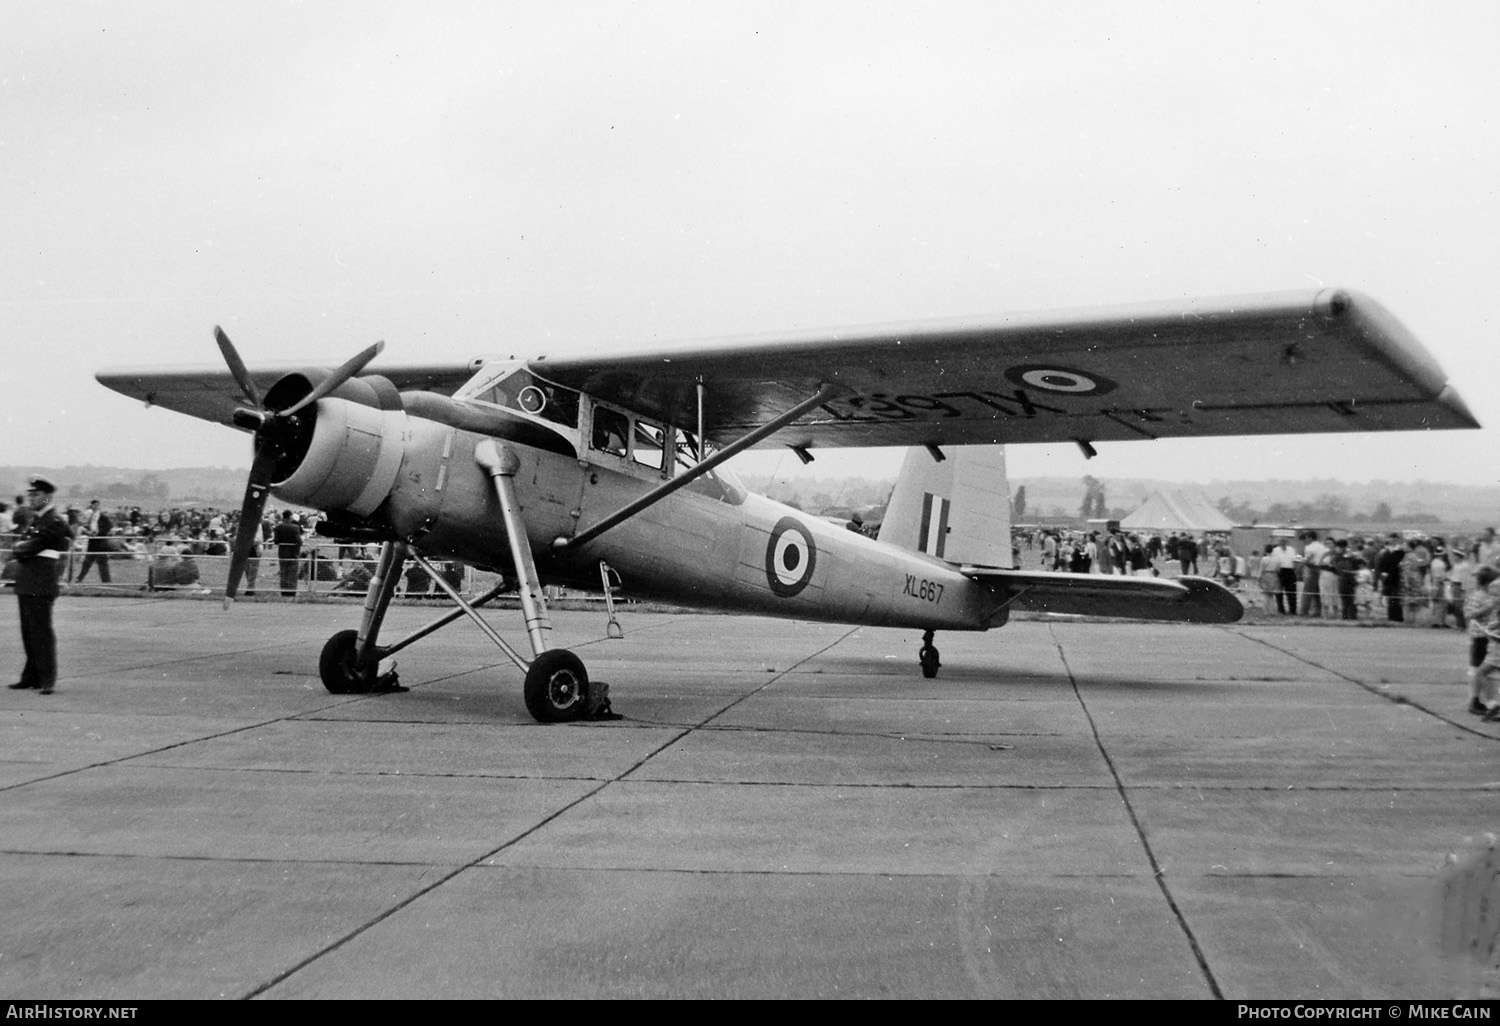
(1484, 656)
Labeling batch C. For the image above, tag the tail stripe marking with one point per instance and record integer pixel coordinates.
(933, 534)
(942, 528)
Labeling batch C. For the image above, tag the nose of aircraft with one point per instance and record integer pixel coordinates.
(277, 432)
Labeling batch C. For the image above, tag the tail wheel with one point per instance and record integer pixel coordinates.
(337, 666)
(557, 687)
(928, 657)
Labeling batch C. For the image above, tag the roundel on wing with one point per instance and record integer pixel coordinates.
(790, 557)
(1059, 380)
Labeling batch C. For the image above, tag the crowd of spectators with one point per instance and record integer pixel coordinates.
(172, 542)
(1412, 580)
(1403, 579)
(1120, 552)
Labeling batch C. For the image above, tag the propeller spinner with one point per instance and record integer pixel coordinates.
(274, 430)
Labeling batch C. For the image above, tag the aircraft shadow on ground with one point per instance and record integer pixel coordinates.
(886, 671)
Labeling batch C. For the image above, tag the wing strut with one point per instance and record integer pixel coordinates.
(651, 498)
(700, 417)
(442, 621)
(467, 609)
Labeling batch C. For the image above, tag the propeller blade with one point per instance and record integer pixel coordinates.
(337, 378)
(237, 367)
(257, 491)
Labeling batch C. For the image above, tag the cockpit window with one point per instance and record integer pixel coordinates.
(521, 390)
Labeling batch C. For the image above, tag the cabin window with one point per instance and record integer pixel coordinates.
(611, 430)
(720, 483)
(647, 446)
(687, 448)
(663, 449)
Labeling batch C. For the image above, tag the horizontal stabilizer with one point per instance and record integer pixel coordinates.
(1186, 599)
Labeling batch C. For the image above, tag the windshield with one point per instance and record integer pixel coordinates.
(516, 388)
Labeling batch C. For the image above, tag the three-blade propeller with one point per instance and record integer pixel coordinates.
(273, 428)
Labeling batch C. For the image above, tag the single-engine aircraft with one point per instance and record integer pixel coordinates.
(591, 469)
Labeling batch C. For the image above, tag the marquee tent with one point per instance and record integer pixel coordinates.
(1176, 511)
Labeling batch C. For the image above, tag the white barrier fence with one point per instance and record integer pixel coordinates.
(328, 569)
(319, 571)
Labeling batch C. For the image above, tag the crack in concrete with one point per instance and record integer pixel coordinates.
(1374, 689)
(434, 885)
(1157, 872)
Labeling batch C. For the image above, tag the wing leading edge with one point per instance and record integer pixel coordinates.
(1285, 363)
(210, 392)
(1183, 599)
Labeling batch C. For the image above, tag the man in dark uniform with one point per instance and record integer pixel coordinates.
(39, 554)
(1346, 565)
(1388, 577)
(1187, 555)
(288, 539)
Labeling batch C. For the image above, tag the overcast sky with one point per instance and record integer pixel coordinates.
(517, 178)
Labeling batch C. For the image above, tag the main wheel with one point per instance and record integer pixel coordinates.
(557, 687)
(337, 668)
(928, 657)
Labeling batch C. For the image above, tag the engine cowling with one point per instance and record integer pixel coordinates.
(367, 390)
(349, 460)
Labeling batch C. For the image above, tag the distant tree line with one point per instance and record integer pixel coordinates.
(148, 488)
(823, 493)
(1327, 509)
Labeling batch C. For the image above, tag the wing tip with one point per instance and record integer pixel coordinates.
(1450, 400)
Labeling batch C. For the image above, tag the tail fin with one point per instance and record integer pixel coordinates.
(957, 509)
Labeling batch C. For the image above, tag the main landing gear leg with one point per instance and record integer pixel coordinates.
(351, 659)
(928, 656)
(557, 687)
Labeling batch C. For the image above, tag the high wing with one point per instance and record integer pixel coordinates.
(210, 392)
(1286, 363)
(1318, 361)
(1185, 599)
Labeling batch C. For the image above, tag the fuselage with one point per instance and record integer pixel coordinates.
(406, 466)
(709, 545)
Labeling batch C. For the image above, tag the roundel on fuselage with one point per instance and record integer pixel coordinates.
(791, 556)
